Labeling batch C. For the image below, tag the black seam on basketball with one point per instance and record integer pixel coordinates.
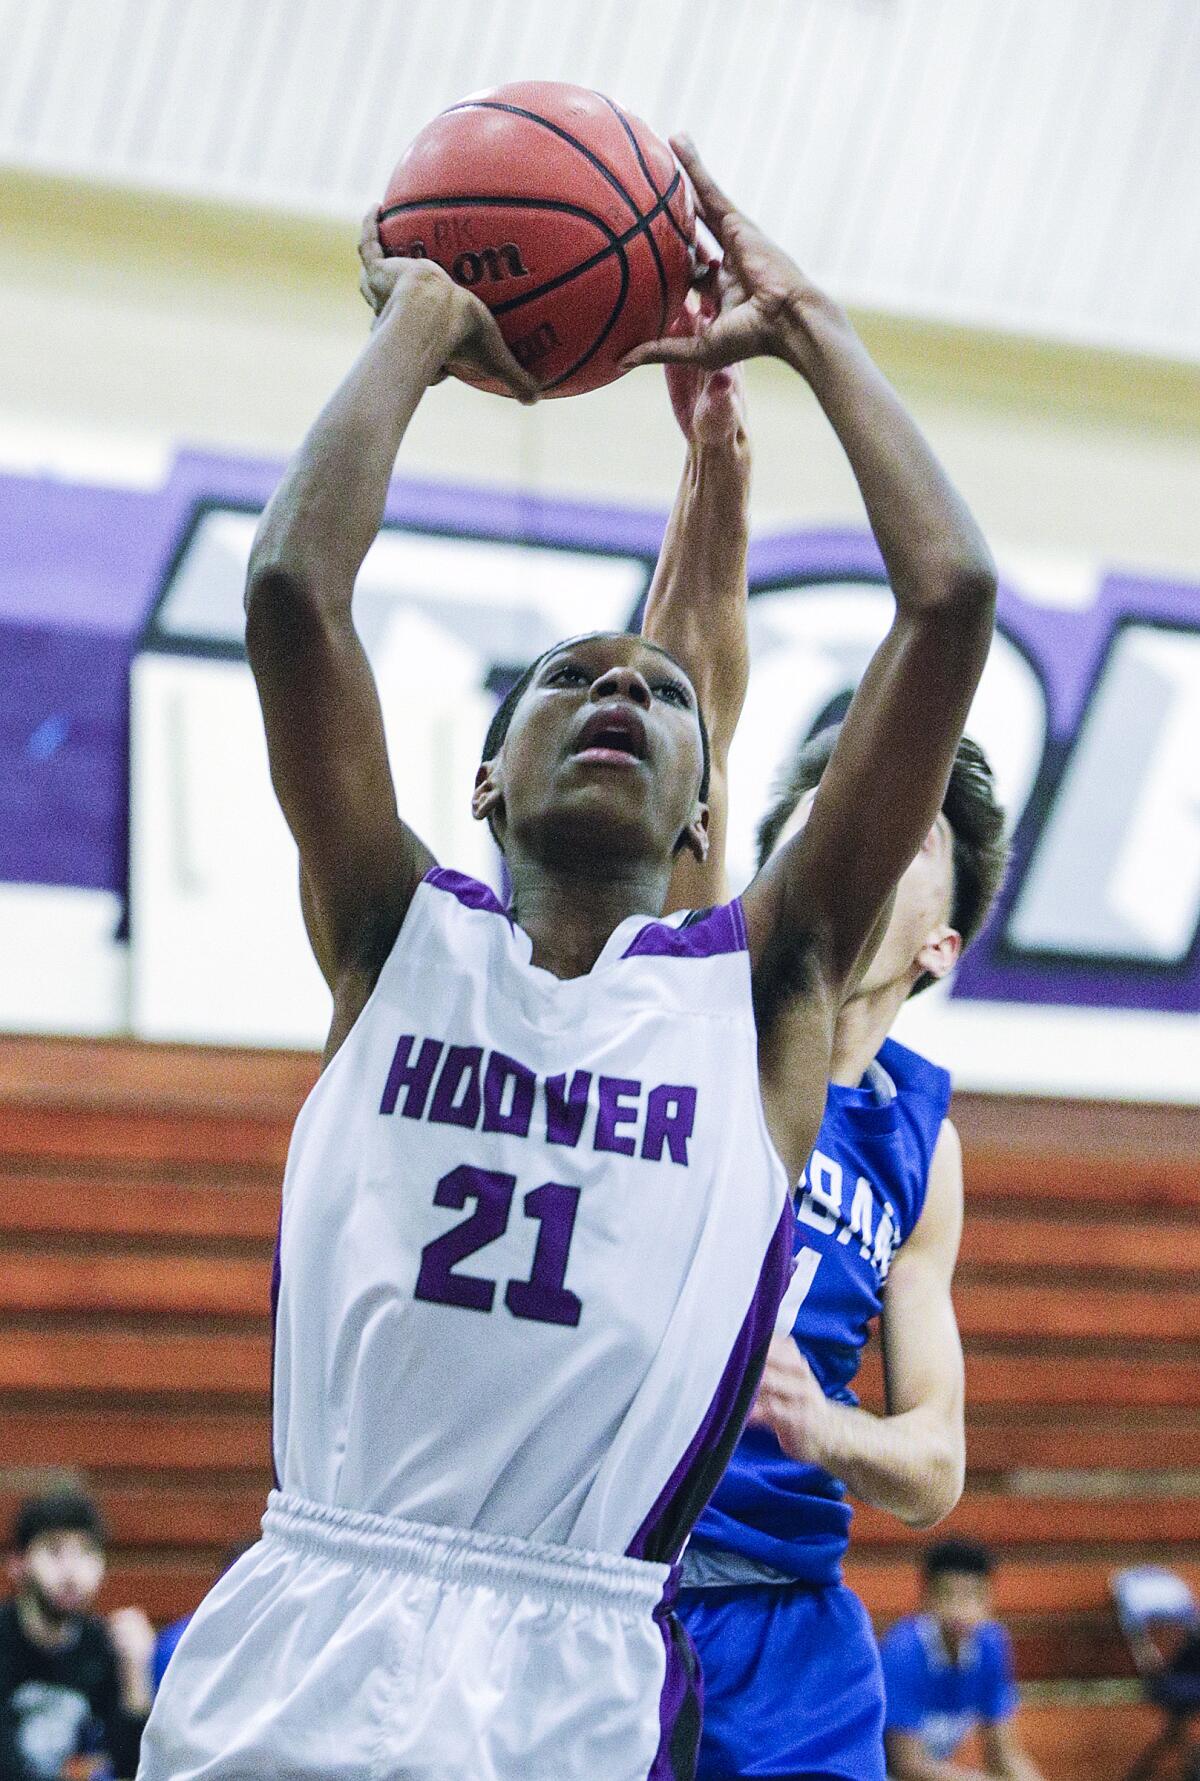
(650, 182)
(616, 246)
(634, 144)
(605, 331)
(637, 149)
(679, 228)
(499, 203)
(649, 178)
(616, 243)
(535, 117)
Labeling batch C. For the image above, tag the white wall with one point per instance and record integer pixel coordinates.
(160, 321)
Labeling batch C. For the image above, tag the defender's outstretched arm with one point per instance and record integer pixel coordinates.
(813, 908)
(359, 862)
(911, 1460)
(886, 780)
(696, 606)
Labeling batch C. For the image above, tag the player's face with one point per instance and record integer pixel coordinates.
(918, 937)
(959, 1602)
(920, 919)
(64, 1569)
(603, 755)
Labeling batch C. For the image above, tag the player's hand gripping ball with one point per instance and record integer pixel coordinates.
(467, 331)
(567, 216)
(710, 406)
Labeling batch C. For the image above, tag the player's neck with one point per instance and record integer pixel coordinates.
(862, 1026)
(569, 911)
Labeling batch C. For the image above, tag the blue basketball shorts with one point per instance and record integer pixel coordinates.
(793, 1687)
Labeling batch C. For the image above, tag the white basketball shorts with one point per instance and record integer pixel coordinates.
(354, 1647)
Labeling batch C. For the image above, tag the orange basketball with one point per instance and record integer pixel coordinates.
(570, 218)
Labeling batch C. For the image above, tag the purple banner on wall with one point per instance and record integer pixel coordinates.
(83, 568)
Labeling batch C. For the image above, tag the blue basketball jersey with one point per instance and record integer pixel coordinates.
(859, 1199)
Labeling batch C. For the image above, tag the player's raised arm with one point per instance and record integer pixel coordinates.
(811, 911)
(885, 783)
(359, 862)
(909, 1461)
(696, 607)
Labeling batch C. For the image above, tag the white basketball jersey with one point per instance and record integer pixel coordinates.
(534, 1234)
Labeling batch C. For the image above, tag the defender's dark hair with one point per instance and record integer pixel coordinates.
(57, 1512)
(980, 851)
(493, 742)
(959, 1558)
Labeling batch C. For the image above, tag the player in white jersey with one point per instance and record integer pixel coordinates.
(548, 1140)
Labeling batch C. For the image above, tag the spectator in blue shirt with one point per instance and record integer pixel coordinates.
(948, 1671)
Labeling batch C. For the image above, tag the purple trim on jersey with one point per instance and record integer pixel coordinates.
(681, 1702)
(276, 1283)
(662, 1534)
(469, 891)
(717, 931)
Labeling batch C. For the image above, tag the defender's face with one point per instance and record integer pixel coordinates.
(924, 897)
(66, 1568)
(604, 752)
(960, 1603)
(923, 901)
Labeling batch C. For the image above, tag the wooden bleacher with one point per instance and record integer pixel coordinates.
(139, 1194)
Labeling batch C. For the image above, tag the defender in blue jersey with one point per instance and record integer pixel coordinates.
(791, 1669)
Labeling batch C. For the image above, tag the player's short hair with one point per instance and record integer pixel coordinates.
(957, 1558)
(493, 742)
(980, 850)
(57, 1511)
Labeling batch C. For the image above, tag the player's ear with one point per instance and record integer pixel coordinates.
(695, 836)
(939, 955)
(487, 800)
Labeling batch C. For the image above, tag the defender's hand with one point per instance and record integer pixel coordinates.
(710, 406)
(771, 287)
(465, 329)
(790, 1402)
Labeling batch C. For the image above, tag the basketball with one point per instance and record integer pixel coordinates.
(568, 216)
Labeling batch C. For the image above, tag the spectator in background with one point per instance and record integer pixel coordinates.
(74, 1689)
(948, 1671)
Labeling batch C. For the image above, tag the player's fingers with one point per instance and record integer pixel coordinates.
(370, 247)
(680, 350)
(712, 349)
(720, 407)
(371, 295)
(494, 356)
(710, 303)
(715, 207)
(729, 287)
(704, 257)
(687, 322)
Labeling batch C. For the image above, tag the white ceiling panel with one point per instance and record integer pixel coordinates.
(1024, 164)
